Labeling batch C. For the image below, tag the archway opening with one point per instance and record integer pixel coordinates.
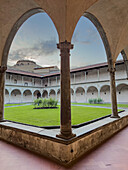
(122, 93)
(80, 95)
(45, 94)
(15, 96)
(105, 93)
(92, 93)
(6, 97)
(52, 94)
(37, 94)
(27, 96)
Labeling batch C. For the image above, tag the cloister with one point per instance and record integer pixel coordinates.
(84, 85)
(111, 20)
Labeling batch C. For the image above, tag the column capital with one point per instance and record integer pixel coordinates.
(65, 45)
(3, 69)
(112, 70)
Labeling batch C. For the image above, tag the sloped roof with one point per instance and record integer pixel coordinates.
(89, 67)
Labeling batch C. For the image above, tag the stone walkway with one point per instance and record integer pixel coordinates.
(17, 105)
(112, 155)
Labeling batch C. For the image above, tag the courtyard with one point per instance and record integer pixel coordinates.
(51, 117)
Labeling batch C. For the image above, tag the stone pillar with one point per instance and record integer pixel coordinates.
(9, 97)
(22, 96)
(98, 74)
(74, 78)
(85, 96)
(125, 61)
(48, 81)
(85, 76)
(56, 80)
(113, 93)
(2, 85)
(22, 81)
(65, 127)
(126, 67)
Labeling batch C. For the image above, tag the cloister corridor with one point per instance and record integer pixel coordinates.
(111, 155)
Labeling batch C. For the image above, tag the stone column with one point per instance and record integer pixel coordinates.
(2, 85)
(65, 127)
(74, 78)
(85, 76)
(125, 61)
(48, 81)
(98, 74)
(56, 80)
(113, 93)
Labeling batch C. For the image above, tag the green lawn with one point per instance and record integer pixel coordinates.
(47, 117)
(105, 104)
(14, 104)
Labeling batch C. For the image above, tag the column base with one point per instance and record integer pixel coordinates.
(66, 136)
(115, 116)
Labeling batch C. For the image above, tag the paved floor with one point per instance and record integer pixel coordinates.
(112, 155)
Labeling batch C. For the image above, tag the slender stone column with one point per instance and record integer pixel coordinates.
(2, 85)
(65, 128)
(125, 61)
(113, 93)
(74, 77)
(85, 76)
(56, 80)
(98, 74)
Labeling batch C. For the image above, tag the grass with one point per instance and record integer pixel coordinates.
(104, 104)
(47, 117)
(14, 104)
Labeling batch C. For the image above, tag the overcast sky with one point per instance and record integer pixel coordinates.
(37, 38)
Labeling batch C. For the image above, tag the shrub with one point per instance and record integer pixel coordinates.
(99, 100)
(90, 101)
(95, 101)
(45, 103)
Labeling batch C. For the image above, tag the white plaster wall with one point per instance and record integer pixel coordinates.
(92, 76)
(105, 94)
(120, 72)
(122, 94)
(92, 93)
(80, 95)
(15, 99)
(103, 74)
(6, 99)
(27, 96)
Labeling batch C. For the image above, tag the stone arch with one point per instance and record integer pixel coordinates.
(105, 93)
(27, 96)
(6, 96)
(80, 95)
(102, 33)
(92, 92)
(52, 94)
(22, 18)
(122, 93)
(36, 94)
(45, 94)
(58, 95)
(16, 96)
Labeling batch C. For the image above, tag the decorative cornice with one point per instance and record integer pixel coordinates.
(111, 70)
(65, 45)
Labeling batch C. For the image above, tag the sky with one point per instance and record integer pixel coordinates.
(37, 38)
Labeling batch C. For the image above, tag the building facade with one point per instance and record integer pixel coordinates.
(86, 83)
